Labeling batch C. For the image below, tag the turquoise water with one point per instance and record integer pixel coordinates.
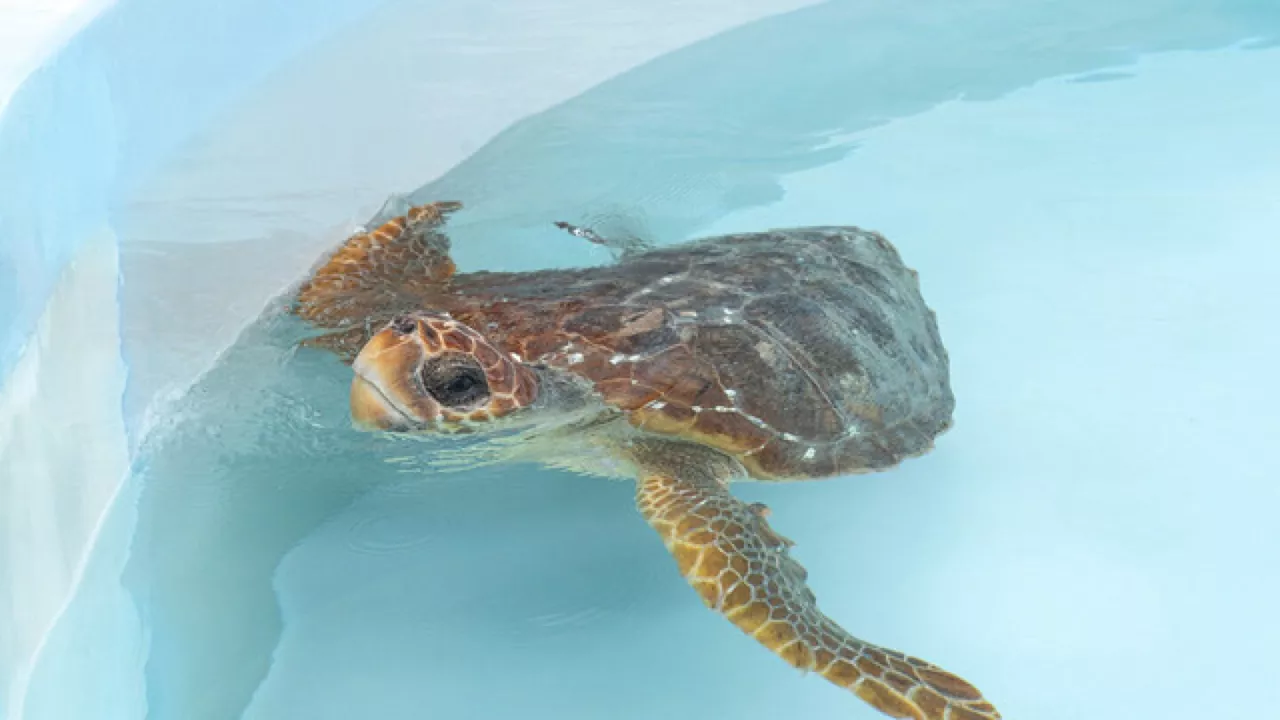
(1090, 197)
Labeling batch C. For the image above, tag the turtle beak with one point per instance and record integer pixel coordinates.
(371, 410)
(386, 394)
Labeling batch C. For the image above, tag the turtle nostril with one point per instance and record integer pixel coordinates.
(404, 324)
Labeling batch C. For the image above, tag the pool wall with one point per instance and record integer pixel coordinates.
(77, 135)
(81, 134)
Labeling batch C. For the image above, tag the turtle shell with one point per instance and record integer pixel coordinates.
(803, 352)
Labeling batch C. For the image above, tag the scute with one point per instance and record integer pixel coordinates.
(805, 353)
(767, 381)
(628, 330)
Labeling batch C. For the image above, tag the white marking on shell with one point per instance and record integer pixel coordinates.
(617, 359)
(656, 404)
(575, 358)
(731, 392)
(810, 453)
(789, 436)
(516, 357)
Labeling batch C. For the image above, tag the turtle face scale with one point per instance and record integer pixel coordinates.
(425, 372)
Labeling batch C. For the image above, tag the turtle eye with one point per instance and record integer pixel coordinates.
(404, 324)
(455, 382)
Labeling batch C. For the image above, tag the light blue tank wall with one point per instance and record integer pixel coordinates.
(126, 93)
(128, 90)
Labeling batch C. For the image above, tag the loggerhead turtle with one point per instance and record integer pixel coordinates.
(785, 355)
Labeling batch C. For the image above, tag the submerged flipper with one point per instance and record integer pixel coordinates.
(620, 245)
(742, 569)
(375, 275)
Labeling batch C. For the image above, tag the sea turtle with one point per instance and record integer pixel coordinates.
(785, 355)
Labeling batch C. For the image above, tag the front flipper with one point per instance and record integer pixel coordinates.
(375, 275)
(741, 568)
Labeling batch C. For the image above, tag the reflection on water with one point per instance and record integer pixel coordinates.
(273, 534)
(709, 129)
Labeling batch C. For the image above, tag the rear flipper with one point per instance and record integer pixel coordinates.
(620, 245)
(740, 567)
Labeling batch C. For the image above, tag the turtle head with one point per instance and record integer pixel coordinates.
(425, 372)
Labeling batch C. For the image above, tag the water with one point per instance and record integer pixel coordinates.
(1088, 195)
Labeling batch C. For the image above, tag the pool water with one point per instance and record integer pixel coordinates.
(1090, 195)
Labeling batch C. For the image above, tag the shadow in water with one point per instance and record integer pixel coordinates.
(259, 455)
(254, 458)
